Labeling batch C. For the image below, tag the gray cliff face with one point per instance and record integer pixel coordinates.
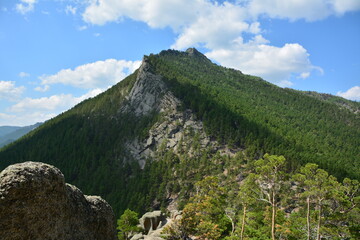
(36, 203)
(176, 130)
(148, 94)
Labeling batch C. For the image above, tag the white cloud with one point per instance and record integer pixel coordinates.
(24, 119)
(179, 13)
(100, 74)
(45, 103)
(44, 88)
(343, 6)
(70, 10)
(352, 93)
(24, 74)
(220, 27)
(275, 64)
(304, 75)
(31, 110)
(310, 10)
(25, 6)
(217, 26)
(55, 103)
(9, 91)
(5, 117)
(156, 13)
(96, 77)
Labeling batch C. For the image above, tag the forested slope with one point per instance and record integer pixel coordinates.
(247, 111)
(89, 143)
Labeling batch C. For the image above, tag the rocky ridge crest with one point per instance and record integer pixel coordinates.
(177, 129)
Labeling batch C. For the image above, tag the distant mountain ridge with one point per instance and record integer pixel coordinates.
(9, 134)
(4, 130)
(144, 142)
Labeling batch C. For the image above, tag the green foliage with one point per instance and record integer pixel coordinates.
(265, 207)
(204, 216)
(127, 224)
(89, 142)
(246, 111)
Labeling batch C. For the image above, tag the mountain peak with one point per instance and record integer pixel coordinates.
(193, 52)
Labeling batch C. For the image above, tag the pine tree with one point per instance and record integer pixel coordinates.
(127, 224)
(270, 177)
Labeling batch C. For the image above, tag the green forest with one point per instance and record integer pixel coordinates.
(263, 118)
(270, 203)
(318, 135)
(260, 199)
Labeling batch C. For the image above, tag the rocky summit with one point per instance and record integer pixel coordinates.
(36, 203)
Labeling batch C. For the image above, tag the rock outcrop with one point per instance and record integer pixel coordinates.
(151, 221)
(36, 203)
(176, 129)
(149, 93)
(154, 223)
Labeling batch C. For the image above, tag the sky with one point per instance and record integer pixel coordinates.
(56, 53)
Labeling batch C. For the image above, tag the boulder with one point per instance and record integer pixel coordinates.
(151, 221)
(36, 203)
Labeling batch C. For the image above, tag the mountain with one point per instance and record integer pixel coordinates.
(7, 129)
(144, 142)
(341, 102)
(9, 134)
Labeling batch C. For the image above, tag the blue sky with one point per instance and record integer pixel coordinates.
(56, 53)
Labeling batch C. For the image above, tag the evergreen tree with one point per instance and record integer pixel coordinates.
(270, 177)
(127, 224)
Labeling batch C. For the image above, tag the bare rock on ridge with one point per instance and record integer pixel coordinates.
(36, 203)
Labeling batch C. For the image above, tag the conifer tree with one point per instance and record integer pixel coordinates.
(270, 177)
(127, 224)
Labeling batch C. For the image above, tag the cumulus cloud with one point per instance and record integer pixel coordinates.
(178, 13)
(9, 91)
(220, 27)
(31, 110)
(25, 6)
(156, 13)
(351, 94)
(275, 64)
(53, 103)
(100, 74)
(95, 77)
(217, 26)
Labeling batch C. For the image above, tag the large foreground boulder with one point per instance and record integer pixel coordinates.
(36, 203)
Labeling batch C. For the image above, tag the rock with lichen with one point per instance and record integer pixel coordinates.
(36, 203)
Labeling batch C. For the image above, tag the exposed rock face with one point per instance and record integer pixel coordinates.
(35, 203)
(176, 130)
(149, 93)
(151, 221)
